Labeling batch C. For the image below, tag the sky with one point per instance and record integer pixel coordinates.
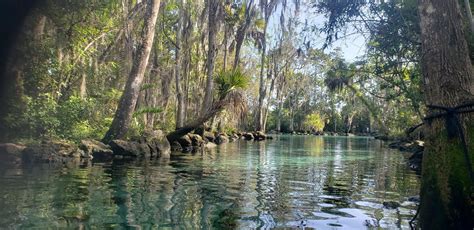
(352, 46)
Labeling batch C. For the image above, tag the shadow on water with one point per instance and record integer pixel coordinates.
(291, 182)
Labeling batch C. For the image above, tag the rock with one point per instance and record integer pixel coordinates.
(10, 148)
(10, 152)
(209, 136)
(176, 147)
(210, 145)
(415, 161)
(126, 148)
(407, 146)
(248, 136)
(394, 145)
(415, 147)
(157, 143)
(259, 136)
(233, 137)
(269, 137)
(415, 199)
(391, 204)
(221, 139)
(185, 141)
(150, 144)
(96, 149)
(197, 141)
(200, 131)
(411, 147)
(51, 151)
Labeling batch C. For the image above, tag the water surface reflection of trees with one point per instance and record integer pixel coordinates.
(244, 185)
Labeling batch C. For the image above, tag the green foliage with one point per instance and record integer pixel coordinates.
(338, 14)
(299, 80)
(314, 122)
(147, 86)
(338, 76)
(73, 119)
(230, 80)
(147, 110)
(40, 116)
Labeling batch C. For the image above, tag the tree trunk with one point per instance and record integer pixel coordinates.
(38, 30)
(128, 100)
(261, 89)
(447, 188)
(215, 109)
(186, 60)
(213, 25)
(83, 87)
(241, 32)
(467, 5)
(177, 72)
(280, 107)
(150, 96)
(225, 49)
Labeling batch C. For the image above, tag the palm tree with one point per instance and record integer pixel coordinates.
(229, 85)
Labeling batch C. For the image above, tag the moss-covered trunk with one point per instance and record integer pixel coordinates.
(447, 188)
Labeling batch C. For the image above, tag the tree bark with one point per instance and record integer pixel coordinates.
(467, 5)
(446, 189)
(215, 109)
(186, 60)
(83, 87)
(213, 24)
(177, 72)
(242, 32)
(128, 100)
(261, 89)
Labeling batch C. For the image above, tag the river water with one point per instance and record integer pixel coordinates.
(287, 183)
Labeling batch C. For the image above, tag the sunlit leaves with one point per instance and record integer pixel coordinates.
(315, 122)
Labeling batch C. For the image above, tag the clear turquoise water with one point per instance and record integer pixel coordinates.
(319, 182)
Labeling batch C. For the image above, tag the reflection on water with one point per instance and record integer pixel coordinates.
(317, 182)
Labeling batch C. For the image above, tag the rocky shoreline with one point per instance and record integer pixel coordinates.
(415, 147)
(148, 146)
(155, 145)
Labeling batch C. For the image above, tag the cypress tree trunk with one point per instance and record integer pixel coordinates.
(447, 189)
(126, 107)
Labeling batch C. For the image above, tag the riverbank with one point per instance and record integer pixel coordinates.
(152, 144)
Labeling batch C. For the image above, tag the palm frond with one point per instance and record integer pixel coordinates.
(229, 81)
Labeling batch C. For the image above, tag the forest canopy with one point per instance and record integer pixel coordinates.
(283, 68)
